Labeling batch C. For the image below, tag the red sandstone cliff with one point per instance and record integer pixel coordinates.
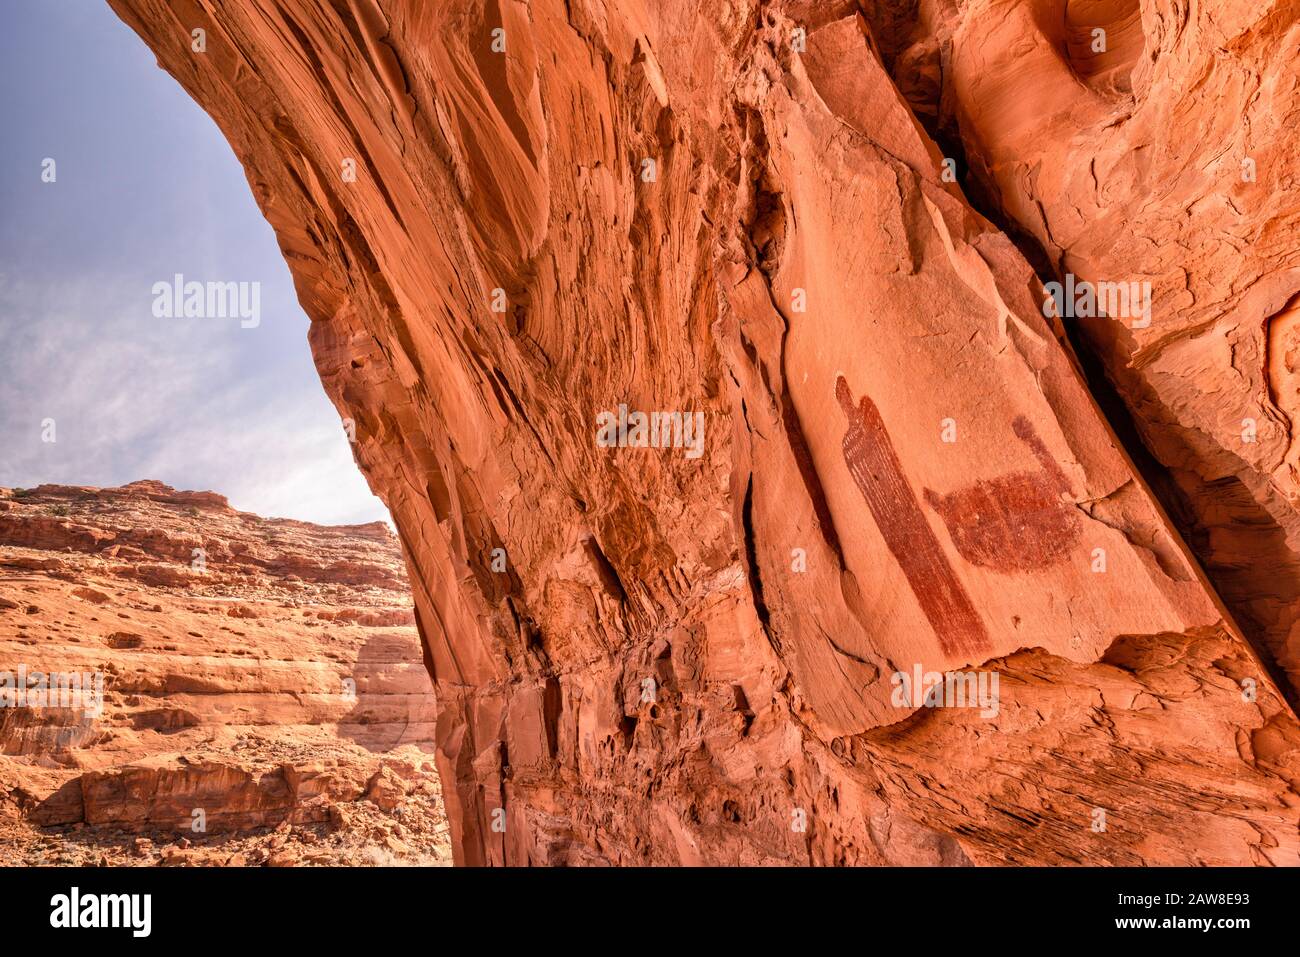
(259, 695)
(1166, 159)
(739, 209)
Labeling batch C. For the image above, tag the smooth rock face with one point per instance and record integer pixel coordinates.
(213, 667)
(568, 212)
(1168, 159)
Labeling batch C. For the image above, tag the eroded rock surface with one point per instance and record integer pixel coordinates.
(1165, 158)
(734, 208)
(231, 689)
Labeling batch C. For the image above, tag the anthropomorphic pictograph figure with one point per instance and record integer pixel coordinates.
(1016, 522)
(873, 463)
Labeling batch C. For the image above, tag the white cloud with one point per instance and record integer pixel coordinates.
(194, 403)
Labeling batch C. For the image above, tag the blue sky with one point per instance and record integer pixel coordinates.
(145, 188)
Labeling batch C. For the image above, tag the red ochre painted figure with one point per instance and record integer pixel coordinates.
(873, 463)
(1014, 523)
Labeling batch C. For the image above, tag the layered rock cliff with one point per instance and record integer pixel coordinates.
(182, 682)
(868, 450)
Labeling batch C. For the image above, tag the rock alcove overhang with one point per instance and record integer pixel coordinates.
(521, 170)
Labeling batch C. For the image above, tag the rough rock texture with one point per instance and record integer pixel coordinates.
(734, 208)
(265, 672)
(1168, 159)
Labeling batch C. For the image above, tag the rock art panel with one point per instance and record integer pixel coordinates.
(869, 454)
(1158, 153)
(1016, 522)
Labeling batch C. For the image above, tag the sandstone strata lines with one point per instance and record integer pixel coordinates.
(257, 692)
